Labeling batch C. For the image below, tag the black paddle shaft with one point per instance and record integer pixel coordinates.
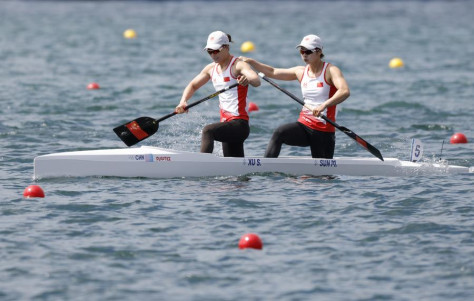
(374, 151)
(141, 128)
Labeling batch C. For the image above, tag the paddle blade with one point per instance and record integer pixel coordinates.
(137, 130)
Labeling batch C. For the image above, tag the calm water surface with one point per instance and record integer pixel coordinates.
(342, 238)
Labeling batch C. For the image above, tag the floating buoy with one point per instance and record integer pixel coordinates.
(458, 138)
(93, 86)
(129, 34)
(253, 107)
(250, 240)
(247, 47)
(396, 62)
(33, 191)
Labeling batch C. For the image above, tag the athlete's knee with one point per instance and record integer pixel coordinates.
(207, 131)
(277, 136)
(278, 131)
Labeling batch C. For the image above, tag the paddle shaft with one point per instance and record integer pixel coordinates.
(374, 151)
(198, 102)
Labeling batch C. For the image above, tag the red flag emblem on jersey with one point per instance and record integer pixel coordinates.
(319, 85)
(227, 79)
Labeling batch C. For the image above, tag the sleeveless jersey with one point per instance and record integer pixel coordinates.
(315, 92)
(233, 102)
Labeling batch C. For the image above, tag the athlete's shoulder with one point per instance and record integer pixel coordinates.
(240, 62)
(208, 68)
(299, 71)
(331, 66)
(333, 69)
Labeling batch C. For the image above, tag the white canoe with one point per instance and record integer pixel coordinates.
(154, 162)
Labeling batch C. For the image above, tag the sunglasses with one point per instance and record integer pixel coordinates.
(209, 51)
(308, 52)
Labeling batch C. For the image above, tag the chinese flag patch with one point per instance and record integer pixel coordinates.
(136, 130)
(227, 79)
(319, 85)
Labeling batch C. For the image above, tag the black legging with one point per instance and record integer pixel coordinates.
(296, 134)
(232, 134)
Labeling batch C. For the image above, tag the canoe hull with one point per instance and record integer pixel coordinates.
(154, 162)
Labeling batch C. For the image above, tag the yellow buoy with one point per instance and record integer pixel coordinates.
(129, 34)
(247, 47)
(396, 62)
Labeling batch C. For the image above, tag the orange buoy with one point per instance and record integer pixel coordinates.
(458, 138)
(250, 240)
(33, 191)
(253, 107)
(93, 86)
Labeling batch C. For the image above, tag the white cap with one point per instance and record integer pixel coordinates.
(216, 39)
(311, 42)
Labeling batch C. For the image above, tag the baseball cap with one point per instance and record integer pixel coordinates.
(311, 42)
(216, 39)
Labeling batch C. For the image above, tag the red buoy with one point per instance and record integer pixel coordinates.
(252, 107)
(33, 191)
(458, 138)
(250, 240)
(93, 86)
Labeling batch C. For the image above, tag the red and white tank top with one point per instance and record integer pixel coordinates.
(316, 91)
(233, 102)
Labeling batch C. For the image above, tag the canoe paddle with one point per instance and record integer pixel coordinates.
(374, 151)
(141, 128)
